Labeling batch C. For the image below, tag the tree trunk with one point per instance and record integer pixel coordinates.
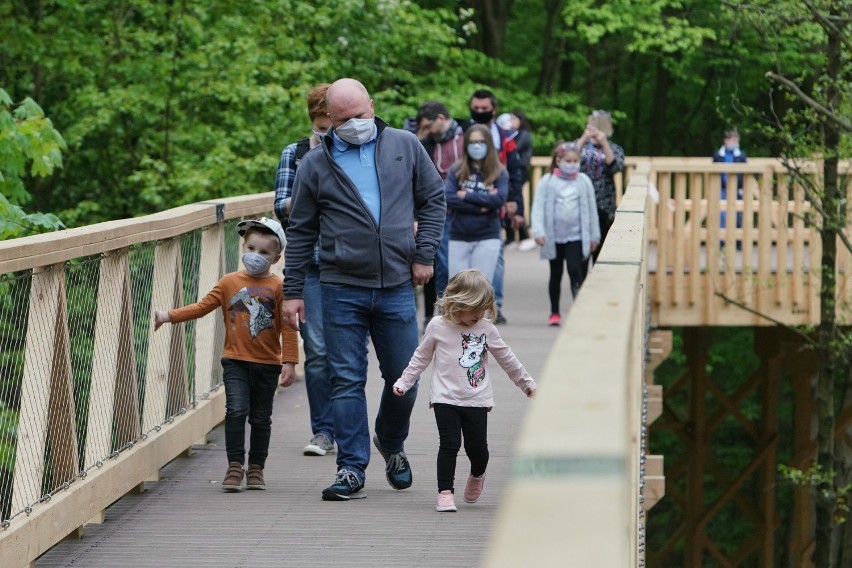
(830, 360)
(491, 19)
(658, 112)
(551, 48)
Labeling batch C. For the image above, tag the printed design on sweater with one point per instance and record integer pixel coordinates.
(475, 185)
(258, 303)
(473, 357)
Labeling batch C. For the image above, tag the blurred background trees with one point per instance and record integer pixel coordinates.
(166, 103)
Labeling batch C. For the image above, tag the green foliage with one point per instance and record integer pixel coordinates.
(823, 483)
(27, 138)
(15, 222)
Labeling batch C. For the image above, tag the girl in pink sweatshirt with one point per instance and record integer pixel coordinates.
(461, 395)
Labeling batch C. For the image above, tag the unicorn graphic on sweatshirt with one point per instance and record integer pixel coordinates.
(474, 350)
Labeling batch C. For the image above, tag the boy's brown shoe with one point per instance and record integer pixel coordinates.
(233, 477)
(254, 477)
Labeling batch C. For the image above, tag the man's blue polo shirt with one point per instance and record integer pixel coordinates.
(359, 163)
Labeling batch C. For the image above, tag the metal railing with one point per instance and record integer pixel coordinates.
(92, 401)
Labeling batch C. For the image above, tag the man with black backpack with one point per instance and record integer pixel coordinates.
(317, 377)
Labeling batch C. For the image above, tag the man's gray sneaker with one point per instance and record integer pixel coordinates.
(348, 484)
(319, 446)
(397, 469)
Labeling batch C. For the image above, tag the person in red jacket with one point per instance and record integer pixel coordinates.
(260, 351)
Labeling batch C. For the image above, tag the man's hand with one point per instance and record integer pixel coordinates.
(517, 221)
(420, 273)
(288, 374)
(511, 208)
(293, 312)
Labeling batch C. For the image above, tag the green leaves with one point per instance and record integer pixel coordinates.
(15, 222)
(27, 138)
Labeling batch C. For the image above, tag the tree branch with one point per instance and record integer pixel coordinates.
(792, 87)
(779, 323)
(811, 193)
(828, 24)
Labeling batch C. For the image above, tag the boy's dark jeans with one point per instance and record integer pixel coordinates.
(249, 392)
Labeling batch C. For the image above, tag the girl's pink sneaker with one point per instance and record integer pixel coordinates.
(474, 487)
(445, 502)
(554, 320)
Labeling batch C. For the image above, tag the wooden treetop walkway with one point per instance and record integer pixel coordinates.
(186, 520)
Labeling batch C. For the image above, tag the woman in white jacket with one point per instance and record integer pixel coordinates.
(565, 222)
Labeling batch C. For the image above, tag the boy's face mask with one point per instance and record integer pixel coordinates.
(255, 264)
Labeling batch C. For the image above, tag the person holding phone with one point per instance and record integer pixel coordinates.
(601, 159)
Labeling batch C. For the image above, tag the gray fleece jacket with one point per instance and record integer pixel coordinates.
(353, 249)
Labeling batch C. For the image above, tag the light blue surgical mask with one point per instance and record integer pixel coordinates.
(356, 131)
(255, 264)
(569, 168)
(477, 150)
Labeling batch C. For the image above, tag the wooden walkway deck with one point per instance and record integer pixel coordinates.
(186, 520)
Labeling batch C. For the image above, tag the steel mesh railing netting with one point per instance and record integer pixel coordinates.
(74, 391)
(14, 307)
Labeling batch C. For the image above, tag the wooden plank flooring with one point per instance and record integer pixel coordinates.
(186, 520)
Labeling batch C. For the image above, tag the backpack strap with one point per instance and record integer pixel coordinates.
(302, 147)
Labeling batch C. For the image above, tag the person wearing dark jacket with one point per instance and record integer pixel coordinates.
(730, 152)
(372, 197)
(441, 136)
(601, 159)
(317, 382)
(483, 110)
(476, 190)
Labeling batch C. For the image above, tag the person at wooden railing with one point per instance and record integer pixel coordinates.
(260, 352)
(601, 159)
(729, 153)
(317, 380)
(565, 222)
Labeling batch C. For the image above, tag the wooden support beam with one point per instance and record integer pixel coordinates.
(655, 481)
(659, 349)
(654, 403)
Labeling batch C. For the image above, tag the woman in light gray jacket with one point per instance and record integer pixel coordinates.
(565, 222)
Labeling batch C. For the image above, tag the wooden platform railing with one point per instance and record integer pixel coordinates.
(99, 403)
(764, 259)
(574, 499)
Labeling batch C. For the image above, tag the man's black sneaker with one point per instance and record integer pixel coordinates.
(347, 485)
(499, 320)
(397, 469)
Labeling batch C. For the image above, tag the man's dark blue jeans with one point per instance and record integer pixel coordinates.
(389, 315)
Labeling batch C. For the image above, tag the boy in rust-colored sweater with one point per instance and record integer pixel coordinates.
(259, 348)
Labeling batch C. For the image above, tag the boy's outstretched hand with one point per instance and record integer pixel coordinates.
(288, 374)
(530, 393)
(160, 318)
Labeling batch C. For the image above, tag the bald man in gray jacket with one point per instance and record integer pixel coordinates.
(372, 197)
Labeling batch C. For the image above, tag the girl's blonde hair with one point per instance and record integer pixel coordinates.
(467, 291)
(491, 165)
